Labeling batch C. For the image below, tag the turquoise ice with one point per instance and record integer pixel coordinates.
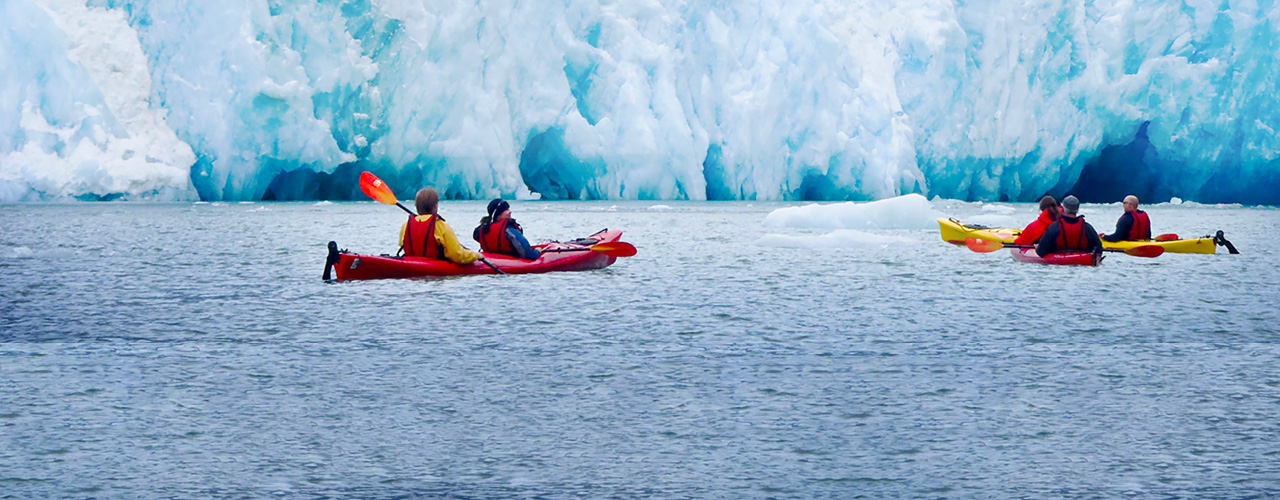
(768, 100)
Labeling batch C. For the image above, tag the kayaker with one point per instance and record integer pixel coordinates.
(428, 235)
(499, 233)
(1048, 214)
(1070, 233)
(1133, 225)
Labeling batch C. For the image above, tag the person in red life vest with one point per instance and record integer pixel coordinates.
(1070, 233)
(499, 233)
(1133, 225)
(428, 235)
(1048, 214)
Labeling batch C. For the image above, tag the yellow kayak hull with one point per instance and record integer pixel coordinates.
(954, 232)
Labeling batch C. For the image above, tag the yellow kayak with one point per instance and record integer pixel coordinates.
(954, 232)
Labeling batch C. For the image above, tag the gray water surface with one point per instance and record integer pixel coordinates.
(192, 351)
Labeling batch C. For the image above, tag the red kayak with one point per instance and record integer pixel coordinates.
(1062, 259)
(575, 255)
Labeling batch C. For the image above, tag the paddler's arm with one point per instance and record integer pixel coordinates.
(400, 242)
(1028, 236)
(1123, 226)
(1095, 243)
(521, 244)
(1049, 240)
(453, 250)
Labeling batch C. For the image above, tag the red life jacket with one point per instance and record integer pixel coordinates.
(420, 239)
(1034, 230)
(1141, 226)
(493, 237)
(1072, 237)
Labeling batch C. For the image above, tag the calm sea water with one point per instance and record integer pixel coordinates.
(192, 351)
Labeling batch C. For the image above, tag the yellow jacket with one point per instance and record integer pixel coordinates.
(453, 250)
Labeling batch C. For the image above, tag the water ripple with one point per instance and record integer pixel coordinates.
(161, 351)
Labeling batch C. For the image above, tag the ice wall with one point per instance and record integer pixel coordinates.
(808, 99)
(75, 118)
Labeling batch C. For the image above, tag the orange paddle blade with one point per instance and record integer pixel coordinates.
(1166, 237)
(983, 246)
(615, 249)
(376, 189)
(1145, 251)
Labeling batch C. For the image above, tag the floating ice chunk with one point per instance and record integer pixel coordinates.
(911, 211)
(323, 203)
(1001, 209)
(524, 194)
(21, 252)
(843, 238)
(1175, 201)
(16, 253)
(660, 207)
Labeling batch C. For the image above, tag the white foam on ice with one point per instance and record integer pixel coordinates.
(911, 211)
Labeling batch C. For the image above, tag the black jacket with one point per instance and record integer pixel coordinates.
(1049, 242)
(1123, 227)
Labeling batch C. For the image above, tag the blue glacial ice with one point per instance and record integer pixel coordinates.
(634, 99)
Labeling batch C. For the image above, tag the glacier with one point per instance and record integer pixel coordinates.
(640, 99)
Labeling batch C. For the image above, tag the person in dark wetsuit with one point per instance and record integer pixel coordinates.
(1133, 225)
(1070, 233)
(499, 233)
